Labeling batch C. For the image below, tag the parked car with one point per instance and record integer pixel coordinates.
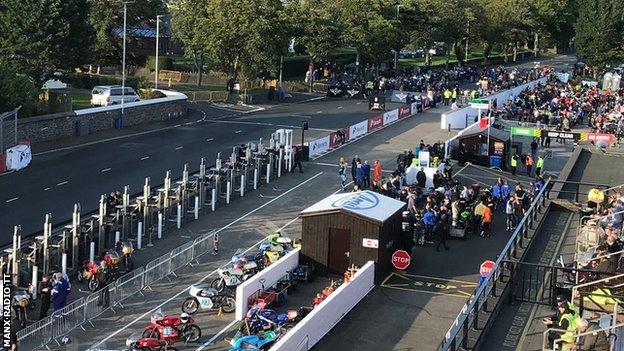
(106, 95)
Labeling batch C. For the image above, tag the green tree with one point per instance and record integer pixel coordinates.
(554, 21)
(106, 19)
(40, 37)
(599, 36)
(315, 27)
(189, 25)
(17, 90)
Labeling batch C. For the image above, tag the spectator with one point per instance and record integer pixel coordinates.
(539, 166)
(103, 277)
(45, 294)
(354, 164)
(60, 290)
(342, 172)
(529, 164)
(297, 160)
(359, 175)
(377, 173)
(594, 338)
(509, 211)
(421, 177)
(514, 163)
(487, 220)
(366, 168)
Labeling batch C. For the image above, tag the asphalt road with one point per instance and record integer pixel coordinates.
(55, 181)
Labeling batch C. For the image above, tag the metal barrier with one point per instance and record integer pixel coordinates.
(457, 335)
(157, 269)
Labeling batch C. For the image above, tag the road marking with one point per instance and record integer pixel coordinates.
(319, 112)
(209, 139)
(189, 123)
(6, 173)
(179, 148)
(359, 103)
(177, 125)
(46, 189)
(339, 107)
(11, 200)
(238, 131)
(226, 328)
(144, 158)
(148, 313)
(335, 165)
(62, 183)
(105, 170)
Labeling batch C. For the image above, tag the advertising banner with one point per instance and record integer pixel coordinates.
(319, 146)
(375, 123)
(404, 111)
(357, 130)
(338, 138)
(390, 117)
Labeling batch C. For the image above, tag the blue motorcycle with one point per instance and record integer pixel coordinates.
(255, 342)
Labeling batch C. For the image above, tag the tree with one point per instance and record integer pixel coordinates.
(315, 26)
(555, 20)
(106, 18)
(17, 90)
(40, 37)
(189, 25)
(599, 36)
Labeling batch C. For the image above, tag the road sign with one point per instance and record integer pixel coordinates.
(486, 268)
(480, 103)
(370, 243)
(401, 259)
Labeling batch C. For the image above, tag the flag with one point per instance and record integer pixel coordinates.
(484, 122)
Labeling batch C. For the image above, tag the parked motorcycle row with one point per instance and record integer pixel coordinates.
(118, 261)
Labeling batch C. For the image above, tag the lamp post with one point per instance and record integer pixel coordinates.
(396, 51)
(123, 59)
(467, 36)
(157, 49)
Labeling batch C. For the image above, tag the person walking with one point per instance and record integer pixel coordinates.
(366, 168)
(354, 164)
(529, 164)
(486, 221)
(509, 212)
(342, 172)
(377, 173)
(539, 165)
(45, 293)
(297, 160)
(441, 229)
(359, 175)
(514, 163)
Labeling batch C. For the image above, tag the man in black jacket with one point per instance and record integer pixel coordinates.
(45, 292)
(103, 277)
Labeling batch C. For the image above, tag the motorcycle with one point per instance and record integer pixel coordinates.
(208, 298)
(22, 300)
(136, 343)
(258, 320)
(255, 342)
(246, 262)
(303, 273)
(89, 270)
(234, 276)
(126, 249)
(172, 328)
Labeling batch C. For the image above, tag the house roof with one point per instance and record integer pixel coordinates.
(365, 204)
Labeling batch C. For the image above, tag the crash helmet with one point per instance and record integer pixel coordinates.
(184, 317)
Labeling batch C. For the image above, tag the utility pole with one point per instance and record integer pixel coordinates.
(535, 43)
(157, 49)
(123, 59)
(396, 50)
(467, 36)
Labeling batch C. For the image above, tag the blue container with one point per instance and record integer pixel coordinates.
(495, 161)
(119, 122)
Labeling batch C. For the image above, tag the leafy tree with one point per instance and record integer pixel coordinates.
(599, 36)
(189, 25)
(40, 37)
(106, 15)
(17, 90)
(555, 20)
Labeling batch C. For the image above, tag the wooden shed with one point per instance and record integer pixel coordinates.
(352, 228)
(479, 152)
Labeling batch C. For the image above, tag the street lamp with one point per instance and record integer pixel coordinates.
(396, 51)
(157, 47)
(123, 60)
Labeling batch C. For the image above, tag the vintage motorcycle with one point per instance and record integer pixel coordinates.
(206, 298)
(255, 342)
(172, 328)
(136, 343)
(241, 270)
(89, 270)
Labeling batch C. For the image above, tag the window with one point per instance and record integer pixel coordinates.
(482, 149)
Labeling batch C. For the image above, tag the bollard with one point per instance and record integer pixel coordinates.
(228, 192)
(255, 178)
(196, 209)
(268, 173)
(92, 251)
(64, 263)
(242, 187)
(179, 217)
(160, 224)
(117, 237)
(35, 281)
(213, 201)
(139, 235)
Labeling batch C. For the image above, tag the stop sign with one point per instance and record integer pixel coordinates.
(486, 268)
(401, 259)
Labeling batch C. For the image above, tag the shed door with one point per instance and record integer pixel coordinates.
(339, 246)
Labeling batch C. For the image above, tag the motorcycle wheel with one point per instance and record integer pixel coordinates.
(218, 284)
(93, 284)
(150, 333)
(228, 304)
(190, 305)
(191, 333)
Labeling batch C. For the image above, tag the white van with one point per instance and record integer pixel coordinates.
(105, 95)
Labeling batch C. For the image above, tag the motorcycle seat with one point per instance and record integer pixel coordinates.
(209, 292)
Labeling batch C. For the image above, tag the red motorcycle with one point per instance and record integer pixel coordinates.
(172, 328)
(136, 343)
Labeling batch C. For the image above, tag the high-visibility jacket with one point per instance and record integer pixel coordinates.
(573, 320)
(602, 297)
(540, 162)
(447, 94)
(595, 195)
(369, 85)
(529, 160)
(454, 94)
(514, 161)
(473, 94)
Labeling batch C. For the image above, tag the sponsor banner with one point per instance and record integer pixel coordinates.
(390, 117)
(399, 96)
(319, 146)
(426, 103)
(336, 139)
(357, 130)
(414, 108)
(405, 111)
(334, 91)
(594, 137)
(351, 91)
(564, 135)
(375, 123)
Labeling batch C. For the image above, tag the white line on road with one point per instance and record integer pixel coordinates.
(46, 189)
(226, 328)
(11, 200)
(319, 112)
(177, 125)
(238, 131)
(179, 148)
(62, 183)
(141, 317)
(339, 107)
(7, 173)
(210, 139)
(105, 170)
(144, 158)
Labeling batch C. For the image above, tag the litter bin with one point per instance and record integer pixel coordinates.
(119, 122)
(82, 128)
(495, 161)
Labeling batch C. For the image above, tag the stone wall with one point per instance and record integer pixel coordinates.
(65, 125)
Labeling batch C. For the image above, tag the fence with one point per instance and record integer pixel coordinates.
(207, 95)
(468, 318)
(83, 310)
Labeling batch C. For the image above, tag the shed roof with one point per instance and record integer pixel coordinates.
(494, 133)
(365, 204)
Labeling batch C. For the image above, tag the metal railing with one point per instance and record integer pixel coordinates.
(83, 310)
(457, 335)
